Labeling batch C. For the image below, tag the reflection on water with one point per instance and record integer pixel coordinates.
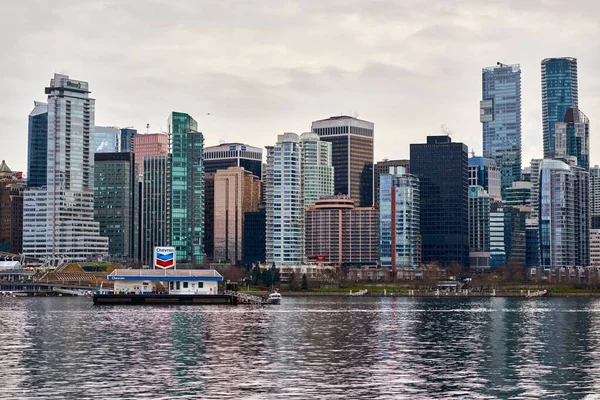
(317, 348)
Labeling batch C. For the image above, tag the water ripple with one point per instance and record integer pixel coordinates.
(307, 348)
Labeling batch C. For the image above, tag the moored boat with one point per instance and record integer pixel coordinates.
(274, 298)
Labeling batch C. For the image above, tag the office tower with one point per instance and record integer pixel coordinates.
(149, 145)
(564, 214)
(595, 247)
(535, 187)
(340, 233)
(156, 206)
(595, 197)
(352, 155)
(399, 219)
(485, 173)
(115, 202)
(11, 211)
(254, 237)
(58, 222)
(519, 194)
(127, 135)
(507, 236)
(532, 242)
(316, 167)
(442, 168)
(228, 155)
(106, 139)
(479, 228)
(383, 167)
(559, 93)
(501, 118)
(187, 188)
(236, 192)
(572, 137)
(284, 202)
(37, 151)
(209, 215)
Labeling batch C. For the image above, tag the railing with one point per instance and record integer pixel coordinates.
(245, 297)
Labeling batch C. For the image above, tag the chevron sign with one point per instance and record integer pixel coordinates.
(164, 257)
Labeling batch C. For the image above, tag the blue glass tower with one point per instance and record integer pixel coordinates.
(559, 93)
(127, 135)
(501, 118)
(37, 151)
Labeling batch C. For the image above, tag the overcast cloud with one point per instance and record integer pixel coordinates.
(264, 67)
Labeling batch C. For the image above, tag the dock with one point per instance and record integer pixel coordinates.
(164, 299)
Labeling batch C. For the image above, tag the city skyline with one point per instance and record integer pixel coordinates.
(404, 81)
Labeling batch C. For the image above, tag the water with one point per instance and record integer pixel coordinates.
(307, 348)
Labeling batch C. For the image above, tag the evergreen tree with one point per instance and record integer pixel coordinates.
(256, 275)
(267, 277)
(304, 282)
(292, 283)
(276, 277)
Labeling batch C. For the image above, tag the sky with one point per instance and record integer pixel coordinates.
(250, 70)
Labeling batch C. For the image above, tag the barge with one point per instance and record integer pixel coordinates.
(166, 286)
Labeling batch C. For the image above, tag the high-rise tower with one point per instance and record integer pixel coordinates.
(501, 118)
(352, 155)
(37, 151)
(187, 188)
(559, 93)
(316, 167)
(59, 221)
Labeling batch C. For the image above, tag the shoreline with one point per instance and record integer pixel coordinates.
(432, 294)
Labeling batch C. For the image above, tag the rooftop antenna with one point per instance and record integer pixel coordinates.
(472, 153)
(501, 64)
(147, 128)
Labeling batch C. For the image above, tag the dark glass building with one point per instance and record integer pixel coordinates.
(254, 237)
(116, 201)
(442, 167)
(209, 215)
(127, 135)
(233, 155)
(37, 151)
(559, 93)
(352, 155)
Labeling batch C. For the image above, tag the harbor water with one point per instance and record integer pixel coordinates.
(305, 348)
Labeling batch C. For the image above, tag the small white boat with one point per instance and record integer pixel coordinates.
(537, 294)
(274, 298)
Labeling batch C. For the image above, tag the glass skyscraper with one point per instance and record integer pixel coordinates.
(501, 118)
(127, 135)
(559, 93)
(564, 227)
(106, 139)
(187, 188)
(399, 219)
(442, 168)
(37, 151)
(572, 137)
(116, 201)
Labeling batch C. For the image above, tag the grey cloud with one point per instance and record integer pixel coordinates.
(263, 67)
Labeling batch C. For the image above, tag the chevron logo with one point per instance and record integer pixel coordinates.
(164, 257)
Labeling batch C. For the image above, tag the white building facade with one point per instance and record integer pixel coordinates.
(316, 167)
(63, 228)
(284, 202)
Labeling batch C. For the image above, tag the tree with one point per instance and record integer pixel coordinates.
(292, 283)
(267, 277)
(256, 275)
(276, 276)
(455, 269)
(304, 282)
